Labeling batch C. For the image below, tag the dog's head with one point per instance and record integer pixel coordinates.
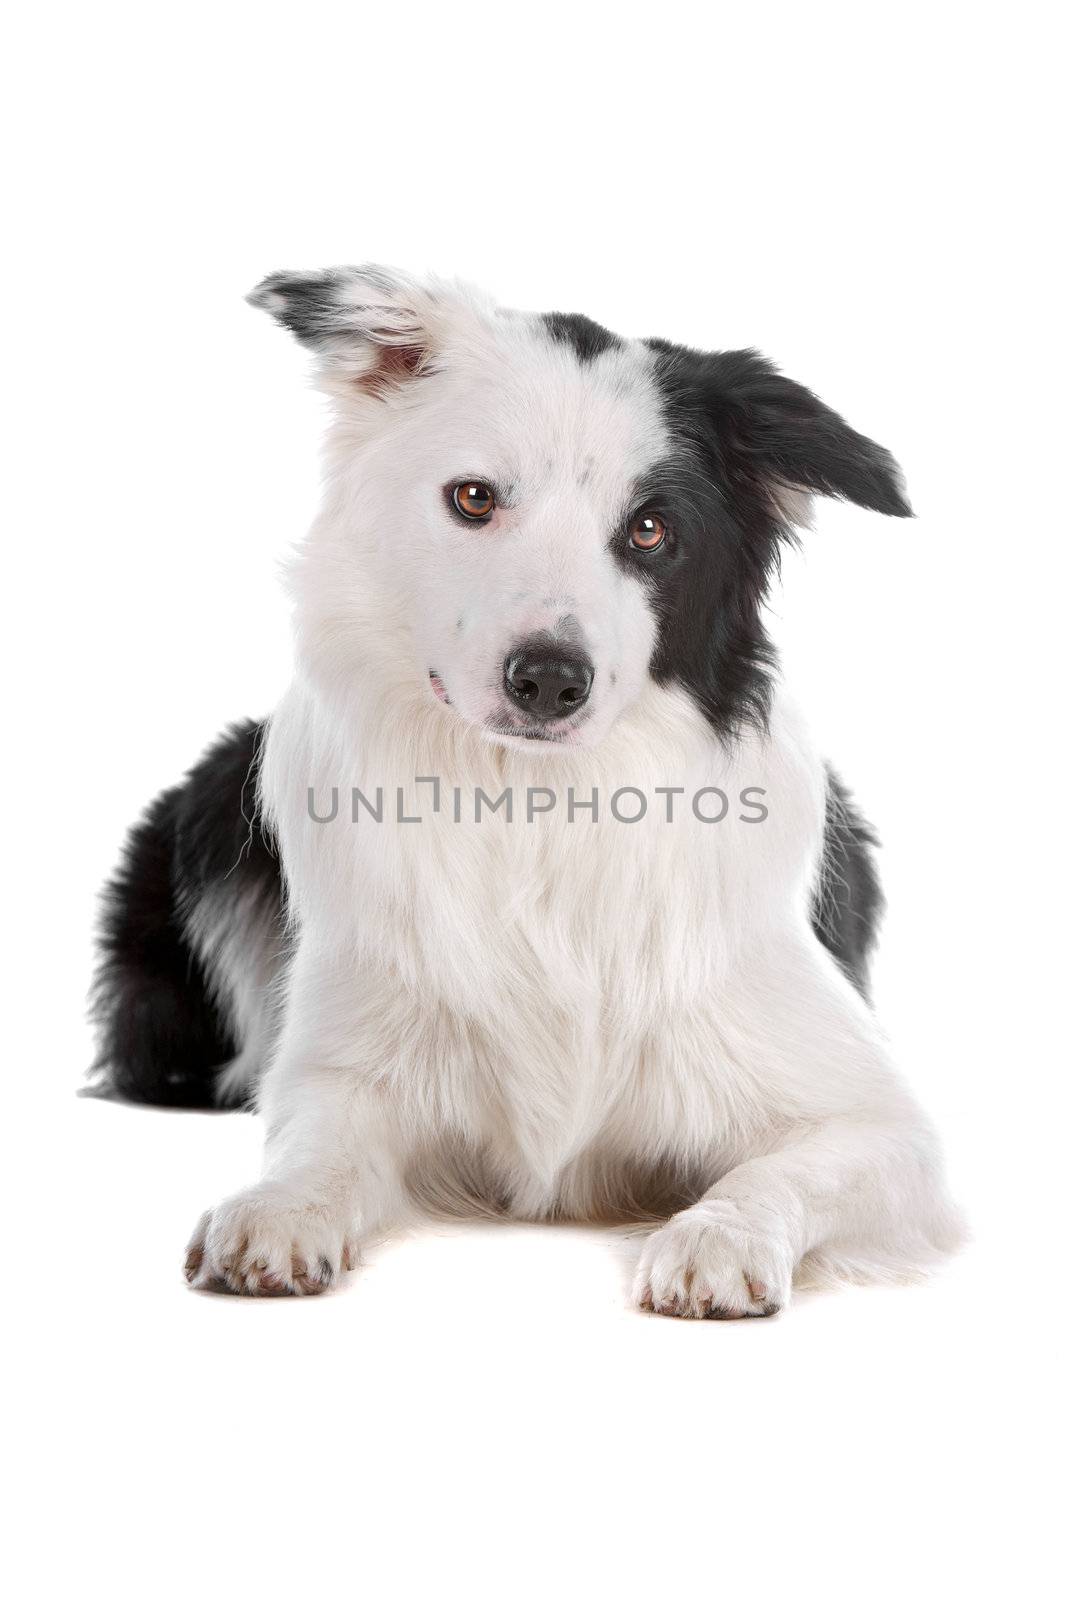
(557, 514)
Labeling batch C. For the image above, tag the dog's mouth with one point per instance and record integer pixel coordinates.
(437, 685)
(531, 732)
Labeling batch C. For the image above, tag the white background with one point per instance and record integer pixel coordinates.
(867, 194)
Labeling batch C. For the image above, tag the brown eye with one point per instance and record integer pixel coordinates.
(647, 532)
(474, 501)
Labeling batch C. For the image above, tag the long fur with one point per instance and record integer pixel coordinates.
(556, 1012)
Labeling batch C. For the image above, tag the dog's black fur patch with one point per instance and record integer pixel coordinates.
(584, 336)
(742, 432)
(305, 304)
(849, 902)
(163, 1036)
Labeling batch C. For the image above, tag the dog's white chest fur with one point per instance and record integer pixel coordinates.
(564, 975)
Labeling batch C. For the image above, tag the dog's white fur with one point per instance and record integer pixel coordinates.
(543, 1011)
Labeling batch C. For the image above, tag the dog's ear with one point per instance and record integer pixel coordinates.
(775, 435)
(374, 326)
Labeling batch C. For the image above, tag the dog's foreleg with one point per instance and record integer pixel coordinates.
(333, 1166)
(855, 1172)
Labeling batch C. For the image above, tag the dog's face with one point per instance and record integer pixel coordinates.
(562, 515)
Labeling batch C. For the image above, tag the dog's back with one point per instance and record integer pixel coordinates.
(192, 939)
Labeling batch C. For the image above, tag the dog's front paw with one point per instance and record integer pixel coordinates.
(712, 1262)
(266, 1241)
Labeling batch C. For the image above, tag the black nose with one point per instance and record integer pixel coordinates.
(547, 680)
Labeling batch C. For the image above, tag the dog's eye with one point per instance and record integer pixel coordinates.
(647, 532)
(474, 501)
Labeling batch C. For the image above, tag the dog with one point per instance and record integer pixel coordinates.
(532, 897)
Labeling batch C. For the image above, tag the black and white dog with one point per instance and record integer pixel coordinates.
(532, 895)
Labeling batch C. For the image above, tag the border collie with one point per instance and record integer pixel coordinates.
(532, 897)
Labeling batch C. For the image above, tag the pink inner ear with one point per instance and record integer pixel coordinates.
(395, 364)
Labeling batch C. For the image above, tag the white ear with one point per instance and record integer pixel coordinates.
(344, 302)
(379, 326)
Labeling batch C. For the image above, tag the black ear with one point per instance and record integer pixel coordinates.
(775, 433)
(782, 432)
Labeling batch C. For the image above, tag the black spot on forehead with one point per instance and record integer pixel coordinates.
(586, 338)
